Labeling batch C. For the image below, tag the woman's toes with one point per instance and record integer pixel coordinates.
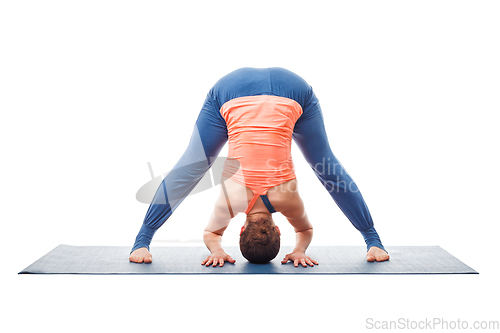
(383, 257)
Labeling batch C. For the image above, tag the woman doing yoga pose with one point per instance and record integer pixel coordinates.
(259, 110)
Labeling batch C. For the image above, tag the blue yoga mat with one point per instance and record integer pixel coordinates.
(66, 259)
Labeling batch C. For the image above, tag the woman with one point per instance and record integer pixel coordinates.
(211, 133)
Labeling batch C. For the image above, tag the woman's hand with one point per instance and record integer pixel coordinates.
(218, 257)
(299, 257)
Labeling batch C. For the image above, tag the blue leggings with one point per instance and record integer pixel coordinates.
(210, 134)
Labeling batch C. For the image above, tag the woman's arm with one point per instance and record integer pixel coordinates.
(212, 239)
(295, 213)
(218, 222)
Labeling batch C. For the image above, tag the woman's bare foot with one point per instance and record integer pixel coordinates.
(376, 253)
(141, 255)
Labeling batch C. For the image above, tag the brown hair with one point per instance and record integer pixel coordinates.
(260, 241)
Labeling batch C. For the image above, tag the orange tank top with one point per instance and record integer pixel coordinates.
(260, 136)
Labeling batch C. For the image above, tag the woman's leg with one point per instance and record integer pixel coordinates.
(208, 138)
(310, 136)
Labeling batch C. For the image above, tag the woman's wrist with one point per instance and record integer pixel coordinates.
(212, 241)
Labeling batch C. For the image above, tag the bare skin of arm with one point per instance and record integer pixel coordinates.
(290, 204)
(219, 220)
(217, 255)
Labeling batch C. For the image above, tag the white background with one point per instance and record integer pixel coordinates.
(90, 91)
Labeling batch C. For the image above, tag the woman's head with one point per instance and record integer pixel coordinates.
(260, 239)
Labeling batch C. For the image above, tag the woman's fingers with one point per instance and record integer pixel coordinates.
(313, 261)
(304, 261)
(214, 261)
